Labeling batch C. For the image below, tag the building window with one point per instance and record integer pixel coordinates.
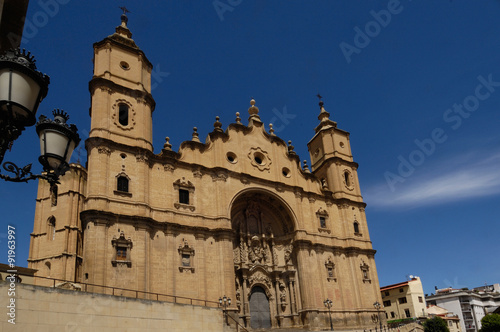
(356, 227)
(53, 194)
(387, 303)
(52, 228)
(420, 299)
(322, 222)
(393, 315)
(402, 300)
(183, 196)
(122, 184)
(186, 197)
(407, 313)
(364, 270)
(330, 270)
(346, 179)
(401, 290)
(322, 216)
(122, 248)
(121, 253)
(123, 114)
(386, 293)
(186, 254)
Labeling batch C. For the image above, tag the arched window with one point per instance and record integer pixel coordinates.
(122, 184)
(123, 114)
(346, 178)
(47, 267)
(356, 227)
(51, 228)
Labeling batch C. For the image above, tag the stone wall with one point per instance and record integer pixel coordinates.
(44, 309)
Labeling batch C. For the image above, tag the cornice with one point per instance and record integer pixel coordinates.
(97, 82)
(123, 43)
(109, 218)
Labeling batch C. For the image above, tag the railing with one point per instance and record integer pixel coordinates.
(88, 288)
(239, 327)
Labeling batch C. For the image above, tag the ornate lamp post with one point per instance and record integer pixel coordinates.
(22, 88)
(377, 306)
(328, 303)
(224, 301)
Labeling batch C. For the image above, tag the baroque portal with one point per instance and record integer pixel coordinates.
(265, 267)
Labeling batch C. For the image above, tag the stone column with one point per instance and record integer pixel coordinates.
(291, 289)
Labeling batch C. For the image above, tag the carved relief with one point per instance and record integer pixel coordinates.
(221, 176)
(260, 278)
(186, 257)
(260, 159)
(282, 295)
(197, 174)
(288, 254)
(141, 158)
(169, 167)
(257, 254)
(104, 150)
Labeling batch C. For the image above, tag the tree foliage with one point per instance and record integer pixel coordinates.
(436, 324)
(490, 323)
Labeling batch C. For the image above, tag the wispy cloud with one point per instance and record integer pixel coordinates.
(455, 179)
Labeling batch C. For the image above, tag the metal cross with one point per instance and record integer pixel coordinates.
(125, 10)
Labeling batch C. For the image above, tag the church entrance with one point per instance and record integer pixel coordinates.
(260, 316)
(265, 263)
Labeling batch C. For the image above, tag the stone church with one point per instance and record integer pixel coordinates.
(236, 215)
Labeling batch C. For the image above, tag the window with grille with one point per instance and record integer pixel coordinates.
(122, 184)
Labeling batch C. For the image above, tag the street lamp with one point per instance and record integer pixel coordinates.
(377, 306)
(22, 88)
(328, 303)
(224, 301)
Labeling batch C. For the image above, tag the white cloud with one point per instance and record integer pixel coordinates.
(452, 181)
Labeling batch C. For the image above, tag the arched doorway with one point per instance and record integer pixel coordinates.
(264, 260)
(260, 315)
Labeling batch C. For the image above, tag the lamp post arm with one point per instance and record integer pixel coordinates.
(24, 174)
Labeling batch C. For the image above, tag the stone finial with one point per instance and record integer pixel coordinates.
(167, 146)
(238, 119)
(253, 111)
(323, 116)
(306, 168)
(271, 130)
(290, 148)
(195, 135)
(217, 125)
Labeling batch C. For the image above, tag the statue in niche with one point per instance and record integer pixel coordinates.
(288, 254)
(282, 293)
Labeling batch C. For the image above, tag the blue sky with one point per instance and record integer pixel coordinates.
(416, 83)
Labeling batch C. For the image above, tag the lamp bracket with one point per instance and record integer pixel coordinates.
(24, 174)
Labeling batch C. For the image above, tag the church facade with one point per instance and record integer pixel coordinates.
(237, 215)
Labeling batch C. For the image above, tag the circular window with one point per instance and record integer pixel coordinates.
(123, 155)
(124, 65)
(259, 158)
(231, 157)
(341, 144)
(286, 172)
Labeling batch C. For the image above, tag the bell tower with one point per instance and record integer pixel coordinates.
(121, 102)
(331, 158)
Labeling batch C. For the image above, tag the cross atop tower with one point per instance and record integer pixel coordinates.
(124, 15)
